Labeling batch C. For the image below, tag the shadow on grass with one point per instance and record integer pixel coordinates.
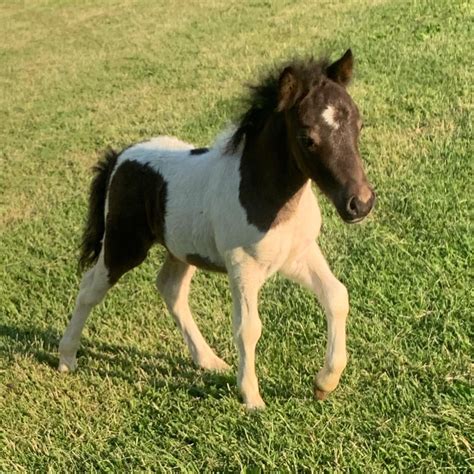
(162, 369)
(124, 362)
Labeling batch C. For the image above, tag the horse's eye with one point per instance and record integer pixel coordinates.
(307, 141)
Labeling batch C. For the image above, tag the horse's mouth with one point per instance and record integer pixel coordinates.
(356, 220)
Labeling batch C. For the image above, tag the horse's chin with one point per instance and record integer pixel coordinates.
(357, 220)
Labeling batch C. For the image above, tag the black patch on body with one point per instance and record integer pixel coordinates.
(204, 263)
(198, 151)
(136, 217)
(270, 182)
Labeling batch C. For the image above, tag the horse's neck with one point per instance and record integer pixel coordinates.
(270, 178)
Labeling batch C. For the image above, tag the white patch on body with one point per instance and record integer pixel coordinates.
(172, 143)
(329, 117)
(203, 212)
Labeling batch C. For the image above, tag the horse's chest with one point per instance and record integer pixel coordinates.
(290, 239)
(208, 229)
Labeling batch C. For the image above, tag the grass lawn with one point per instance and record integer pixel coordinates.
(78, 76)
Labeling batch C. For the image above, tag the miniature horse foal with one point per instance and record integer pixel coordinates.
(244, 207)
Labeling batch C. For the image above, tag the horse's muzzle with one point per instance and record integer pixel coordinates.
(357, 208)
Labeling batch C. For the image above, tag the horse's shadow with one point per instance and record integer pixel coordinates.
(120, 361)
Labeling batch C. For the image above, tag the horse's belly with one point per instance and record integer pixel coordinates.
(191, 239)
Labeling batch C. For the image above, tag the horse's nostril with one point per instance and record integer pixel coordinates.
(352, 207)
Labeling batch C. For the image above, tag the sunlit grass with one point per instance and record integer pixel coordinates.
(76, 78)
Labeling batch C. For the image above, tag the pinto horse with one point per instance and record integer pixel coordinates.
(244, 207)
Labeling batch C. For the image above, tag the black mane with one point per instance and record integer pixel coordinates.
(263, 97)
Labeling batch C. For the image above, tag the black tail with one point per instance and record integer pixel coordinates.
(95, 225)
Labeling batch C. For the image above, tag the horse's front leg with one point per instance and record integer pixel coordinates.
(312, 271)
(246, 279)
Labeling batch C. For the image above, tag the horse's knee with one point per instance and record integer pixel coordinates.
(338, 300)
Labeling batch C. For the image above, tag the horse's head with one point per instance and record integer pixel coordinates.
(323, 125)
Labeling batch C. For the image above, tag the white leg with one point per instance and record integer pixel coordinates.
(94, 286)
(246, 279)
(313, 272)
(173, 284)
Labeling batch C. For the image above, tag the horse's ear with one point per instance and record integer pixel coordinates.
(288, 89)
(341, 70)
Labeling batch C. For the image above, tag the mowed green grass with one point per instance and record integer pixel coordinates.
(78, 76)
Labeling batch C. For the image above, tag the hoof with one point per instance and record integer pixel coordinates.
(320, 394)
(214, 364)
(256, 405)
(324, 384)
(67, 365)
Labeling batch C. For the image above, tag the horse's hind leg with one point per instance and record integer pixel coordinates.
(94, 286)
(124, 248)
(173, 283)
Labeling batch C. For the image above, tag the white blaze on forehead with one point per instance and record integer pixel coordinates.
(328, 116)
